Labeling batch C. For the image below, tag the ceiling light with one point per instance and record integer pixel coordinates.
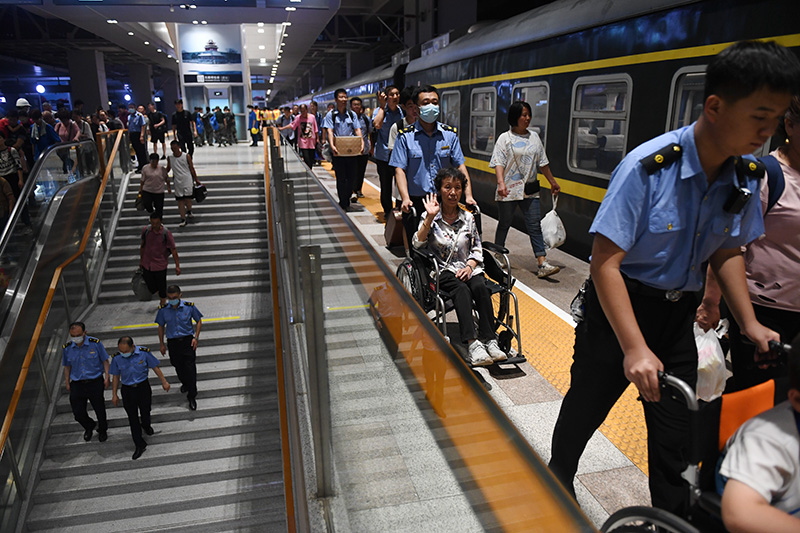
(261, 47)
(177, 61)
(295, 1)
(127, 98)
(195, 22)
(112, 21)
(291, 9)
(283, 44)
(260, 24)
(158, 50)
(169, 56)
(272, 79)
(203, 22)
(147, 42)
(269, 91)
(156, 99)
(130, 33)
(285, 35)
(260, 30)
(287, 23)
(192, 6)
(277, 61)
(40, 89)
(263, 60)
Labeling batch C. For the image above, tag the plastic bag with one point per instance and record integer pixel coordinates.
(139, 286)
(711, 372)
(553, 230)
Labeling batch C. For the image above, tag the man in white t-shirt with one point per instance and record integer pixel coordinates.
(762, 464)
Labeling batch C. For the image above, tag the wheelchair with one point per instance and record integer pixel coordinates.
(419, 273)
(726, 414)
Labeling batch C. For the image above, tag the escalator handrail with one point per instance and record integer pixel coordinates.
(49, 299)
(30, 185)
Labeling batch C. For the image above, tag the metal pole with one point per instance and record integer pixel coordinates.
(14, 468)
(319, 393)
(43, 371)
(290, 229)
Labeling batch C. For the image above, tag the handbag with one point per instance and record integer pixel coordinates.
(348, 145)
(326, 152)
(199, 193)
(553, 230)
(139, 286)
(393, 232)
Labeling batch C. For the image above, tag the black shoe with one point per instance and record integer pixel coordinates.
(102, 436)
(193, 404)
(138, 453)
(183, 388)
(87, 435)
(163, 157)
(148, 430)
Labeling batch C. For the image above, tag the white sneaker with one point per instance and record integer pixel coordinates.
(478, 355)
(190, 214)
(546, 269)
(495, 352)
(183, 222)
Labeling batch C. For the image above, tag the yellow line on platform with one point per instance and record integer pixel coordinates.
(347, 307)
(218, 319)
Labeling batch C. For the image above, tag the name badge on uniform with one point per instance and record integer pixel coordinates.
(445, 147)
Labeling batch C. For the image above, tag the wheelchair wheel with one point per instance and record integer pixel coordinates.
(636, 519)
(409, 277)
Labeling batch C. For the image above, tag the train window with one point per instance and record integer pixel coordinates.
(686, 99)
(451, 108)
(482, 120)
(599, 124)
(538, 97)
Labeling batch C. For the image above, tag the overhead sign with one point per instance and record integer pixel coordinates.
(211, 54)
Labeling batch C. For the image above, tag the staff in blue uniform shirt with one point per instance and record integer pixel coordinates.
(130, 365)
(420, 151)
(673, 204)
(85, 364)
(342, 122)
(175, 321)
(386, 114)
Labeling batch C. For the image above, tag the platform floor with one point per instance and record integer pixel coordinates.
(613, 471)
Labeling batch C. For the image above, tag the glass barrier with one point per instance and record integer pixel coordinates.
(397, 419)
(33, 332)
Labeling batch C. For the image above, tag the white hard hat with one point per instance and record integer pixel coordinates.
(21, 102)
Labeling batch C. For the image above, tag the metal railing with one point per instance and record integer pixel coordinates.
(503, 481)
(57, 284)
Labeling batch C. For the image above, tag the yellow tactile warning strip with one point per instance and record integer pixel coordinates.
(217, 319)
(547, 342)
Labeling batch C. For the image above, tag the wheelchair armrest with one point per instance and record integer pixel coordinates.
(492, 247)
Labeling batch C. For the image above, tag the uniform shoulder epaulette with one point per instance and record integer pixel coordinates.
(162, 306)
(67, 344)
(662, 159)
(190, 304)
(408, 129)
(754, 169)
(92, 339)
(448, 127)
(143, 348)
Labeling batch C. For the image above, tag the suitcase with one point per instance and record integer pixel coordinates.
(393, 232)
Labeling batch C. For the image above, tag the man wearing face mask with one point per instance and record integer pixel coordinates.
(175, 321)
(130, 366)
(86, 364)
(420, 151)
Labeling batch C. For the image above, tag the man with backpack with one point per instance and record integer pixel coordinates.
(156, 247)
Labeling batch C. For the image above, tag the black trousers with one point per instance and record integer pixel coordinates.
(345, 169)
(140, 150)
(746, 372)
(386, 177)
(187, 143)
(137, 399)
(183, 358)
(92, 391)
(156, 281)
(361, 170)
(153, 202)
(463, 295)
(308, 155)
(598, 380)
(254, 136)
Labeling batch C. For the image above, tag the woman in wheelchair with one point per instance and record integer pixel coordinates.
(450, 233)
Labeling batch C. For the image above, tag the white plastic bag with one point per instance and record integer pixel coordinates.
(553, 230)
(711, 373)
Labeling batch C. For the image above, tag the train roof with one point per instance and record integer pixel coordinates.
(383, 72)
(551, 20)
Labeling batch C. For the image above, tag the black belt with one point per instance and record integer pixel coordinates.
(98, 378)
(141, 383)
(637, 287)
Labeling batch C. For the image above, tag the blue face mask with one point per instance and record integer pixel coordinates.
(126, 354)
(429, 113)
(174, 302)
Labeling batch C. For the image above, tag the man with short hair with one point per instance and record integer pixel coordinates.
(252, 124)
(136, 128)
(230, 126)
(357, 107)
(343, 122)
(174, 321)
(158, 129)
(439, 146)
(183, 129)
(154, 251)
(386, 114)
(85, 363)
(674, 203)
